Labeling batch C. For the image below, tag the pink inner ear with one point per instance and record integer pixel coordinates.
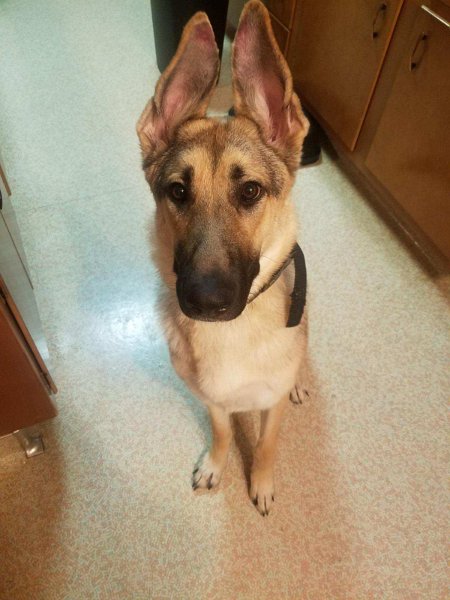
(173, 103)
(274, 97)
(184, 89)
(204, 34)
(259, 72)
(245, 47)
(175, 99)
(190, 79)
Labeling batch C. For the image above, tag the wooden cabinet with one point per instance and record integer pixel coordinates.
(335, 53)
(410, 150)
(377, 78)
(25, 384)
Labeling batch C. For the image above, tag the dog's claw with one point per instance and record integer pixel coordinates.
(262, 492)
(207, 473)
(298, 395)
(263, 513)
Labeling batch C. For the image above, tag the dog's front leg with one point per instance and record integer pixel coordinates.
(262, 487)
(208, 472)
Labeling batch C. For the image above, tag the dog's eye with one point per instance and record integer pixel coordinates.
(250, 193)
(178, 192)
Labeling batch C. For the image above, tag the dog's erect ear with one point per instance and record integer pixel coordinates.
(184, 89)
(262, 84)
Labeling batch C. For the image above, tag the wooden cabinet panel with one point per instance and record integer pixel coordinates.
(410, 151)
(24, 392)
(336, 53)
(25, 383)
(282, 9)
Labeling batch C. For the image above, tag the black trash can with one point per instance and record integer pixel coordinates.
(170, 16)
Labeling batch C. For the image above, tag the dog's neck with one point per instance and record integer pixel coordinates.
(298, 294)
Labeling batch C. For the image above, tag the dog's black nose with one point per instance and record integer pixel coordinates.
(209, 296)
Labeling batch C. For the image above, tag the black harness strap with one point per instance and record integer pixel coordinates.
(298, 295)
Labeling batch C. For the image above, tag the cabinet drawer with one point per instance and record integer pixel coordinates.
(24, 387)
(336, 53)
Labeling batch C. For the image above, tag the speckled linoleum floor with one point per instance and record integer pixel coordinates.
(108, 511)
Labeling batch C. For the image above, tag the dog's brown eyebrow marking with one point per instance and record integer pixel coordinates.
(236, 172)
(186, 175)
(276, 182)
(166, 163)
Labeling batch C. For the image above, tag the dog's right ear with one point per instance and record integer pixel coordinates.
(183, 90)
(262, 85)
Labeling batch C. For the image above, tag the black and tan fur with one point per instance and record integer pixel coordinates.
(215, 248)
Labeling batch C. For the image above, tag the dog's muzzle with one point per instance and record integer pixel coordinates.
(213, 284)
(209, 297)
(214, 295)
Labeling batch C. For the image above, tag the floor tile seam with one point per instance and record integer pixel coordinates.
(76, 198)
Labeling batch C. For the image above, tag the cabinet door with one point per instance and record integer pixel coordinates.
(336, 53)
(410, 152)
(24, 391)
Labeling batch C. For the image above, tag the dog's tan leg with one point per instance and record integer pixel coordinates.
(261, 488)
(300, 392)
(209, 471)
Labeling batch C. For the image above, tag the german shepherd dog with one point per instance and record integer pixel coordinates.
(224, 231)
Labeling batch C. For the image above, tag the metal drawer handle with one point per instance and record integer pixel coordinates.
(379, 16)
(435, 15)
(413, 61)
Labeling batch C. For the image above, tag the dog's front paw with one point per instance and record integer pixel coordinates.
(207, 473)
(262, 491)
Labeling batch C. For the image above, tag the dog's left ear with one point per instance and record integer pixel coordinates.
(184, 89)
(262, 85)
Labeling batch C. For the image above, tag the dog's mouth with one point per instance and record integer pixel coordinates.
(215, 296)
